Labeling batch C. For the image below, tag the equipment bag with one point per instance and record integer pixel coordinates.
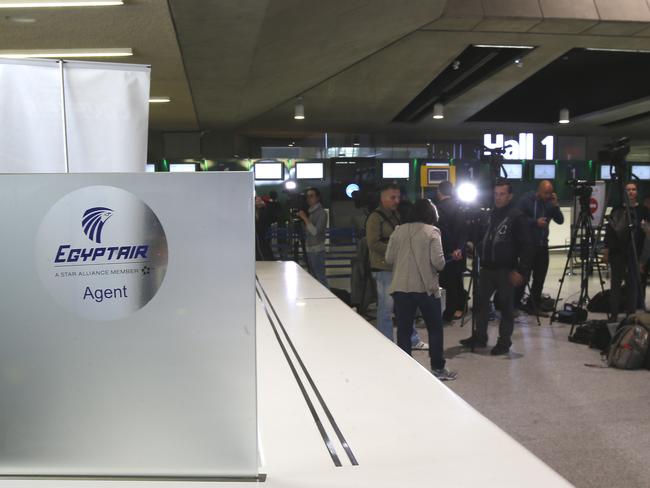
(546, 304)
(571, 314)
(593, 333)
(629, 347)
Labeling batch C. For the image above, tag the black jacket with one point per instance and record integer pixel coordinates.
(451, 223)
(619, 242)
(534, 208)
(506, 242)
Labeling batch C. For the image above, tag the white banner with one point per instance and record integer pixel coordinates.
(106, 112)
(31, 122)
(597, 202)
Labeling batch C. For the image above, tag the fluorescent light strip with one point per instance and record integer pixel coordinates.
(66, 53)
(159, 100)
(503, 46)
(63, 3)
(614, 50)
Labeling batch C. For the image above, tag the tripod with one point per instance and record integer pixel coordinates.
(585, 229)
(297, 242)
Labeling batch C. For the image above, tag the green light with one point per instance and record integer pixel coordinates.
(451, 161)
(165, 165)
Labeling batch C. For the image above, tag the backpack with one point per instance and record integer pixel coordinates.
(593, 333)
(629, 347)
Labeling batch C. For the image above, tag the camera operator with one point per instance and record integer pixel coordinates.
(505, 253)
(539, 208)
(315, 224)
(454, 237)
(617, 251)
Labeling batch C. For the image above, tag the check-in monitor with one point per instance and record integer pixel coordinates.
(604, 172)
(309, 171)
(641, 172)
(150, 168)
(269, 171)
(512, 171)
(182, 167)
(544, 172)
(399, 170)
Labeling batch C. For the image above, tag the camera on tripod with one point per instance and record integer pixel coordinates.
(581, 188)
(616, 151)
(296, 202)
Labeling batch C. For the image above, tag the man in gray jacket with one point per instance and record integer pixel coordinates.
(315, 225)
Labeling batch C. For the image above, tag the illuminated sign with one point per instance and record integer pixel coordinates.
(522, 148)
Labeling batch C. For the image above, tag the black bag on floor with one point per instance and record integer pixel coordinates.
(599, 302)
(593, 333)
(546, 304)
(571, 314)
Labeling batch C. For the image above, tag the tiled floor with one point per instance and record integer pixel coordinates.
(588, 422)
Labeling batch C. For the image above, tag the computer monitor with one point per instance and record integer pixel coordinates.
(269, 171)
(641, 172)
(514, 171)
(399, 170)
(604, 172)
(150, 168)
(309, 171)
(436, 175)
(182, 168)
(544, 172)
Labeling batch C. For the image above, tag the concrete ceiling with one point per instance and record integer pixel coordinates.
(237, 66)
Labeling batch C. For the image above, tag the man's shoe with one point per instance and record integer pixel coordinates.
(420, 346)
(444, 374)
(473, 342)
(500, 349)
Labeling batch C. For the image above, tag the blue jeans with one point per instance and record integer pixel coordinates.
(385, 307)
(316, 261)
(406, 305)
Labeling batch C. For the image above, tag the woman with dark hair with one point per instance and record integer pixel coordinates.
(415, 250)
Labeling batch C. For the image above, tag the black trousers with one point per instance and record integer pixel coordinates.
(538, 271)
(489, 281)
(451, 279)
(622, 267)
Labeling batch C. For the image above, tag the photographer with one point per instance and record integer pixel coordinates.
(315, 225)
(618, 252)
(539, 209)
(454, 237)
(505, 253)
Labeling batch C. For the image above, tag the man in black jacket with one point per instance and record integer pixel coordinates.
(539, 208)
(617, 251)
(505, 253)
(454, 237)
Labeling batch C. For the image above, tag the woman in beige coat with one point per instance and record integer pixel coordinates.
(415, 250)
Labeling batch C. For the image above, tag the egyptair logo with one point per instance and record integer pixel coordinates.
(93, 222)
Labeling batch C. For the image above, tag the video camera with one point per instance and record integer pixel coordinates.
(616, 151)
(581, 188)
(296, 202)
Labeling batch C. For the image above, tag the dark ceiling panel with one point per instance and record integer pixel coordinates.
(474, 65)
(581, 80)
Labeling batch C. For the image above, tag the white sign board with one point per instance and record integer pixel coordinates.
(523, 147)
(597, 202)
(127, 340)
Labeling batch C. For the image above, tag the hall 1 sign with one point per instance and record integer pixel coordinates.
(522, 148)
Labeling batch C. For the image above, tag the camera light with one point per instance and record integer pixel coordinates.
(290, 185)
(467, 192)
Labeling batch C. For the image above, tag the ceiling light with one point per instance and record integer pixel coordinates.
(299, 110)
(519, 63)
(60, 3)
(614, 50)
(21, 20)
(438, 111)
(503, 46)
(159, 99)
(290, 185)
(564, 116)
(66, 53)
